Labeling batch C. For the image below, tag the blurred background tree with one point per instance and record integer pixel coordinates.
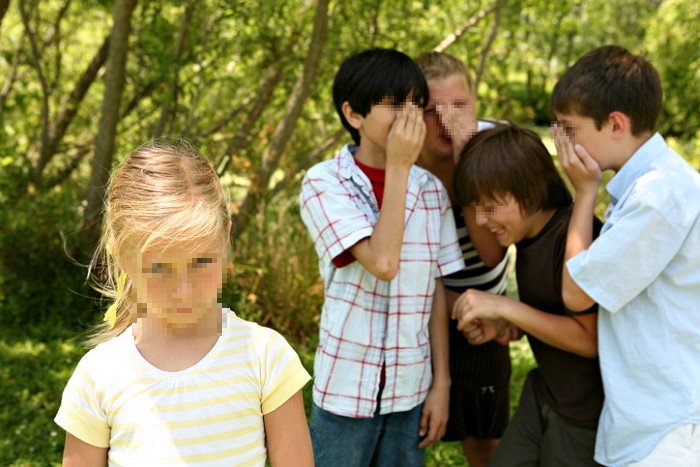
(81, 83)
(249, 82)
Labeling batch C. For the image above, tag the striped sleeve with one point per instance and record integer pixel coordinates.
(283, 375)
(450, 257)
(80, 413)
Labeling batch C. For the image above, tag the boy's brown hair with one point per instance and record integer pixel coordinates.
(436, 65)
(509, 159)
(608, 79)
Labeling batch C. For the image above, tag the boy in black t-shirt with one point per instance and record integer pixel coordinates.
(509, 177)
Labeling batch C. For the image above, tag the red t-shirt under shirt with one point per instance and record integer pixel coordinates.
(376, 178)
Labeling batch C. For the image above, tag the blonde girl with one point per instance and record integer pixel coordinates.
(175, 378)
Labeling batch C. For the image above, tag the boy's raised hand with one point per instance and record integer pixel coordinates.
(459, 123)
(405, 139)
(583, 171)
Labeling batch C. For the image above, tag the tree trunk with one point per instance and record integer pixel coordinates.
(285, 128)
(169, 108)
(104, 141)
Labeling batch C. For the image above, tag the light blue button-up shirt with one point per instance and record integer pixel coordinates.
(644, 271)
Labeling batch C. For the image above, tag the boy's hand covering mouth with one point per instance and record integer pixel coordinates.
(406, 136)
(578, 165)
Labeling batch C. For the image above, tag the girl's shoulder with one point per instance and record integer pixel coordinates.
(107, 356)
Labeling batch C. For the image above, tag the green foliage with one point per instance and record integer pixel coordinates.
(37, 364)
(35, 369)
(39, 283)
(673, 49)
(213, 86)
(276, 254)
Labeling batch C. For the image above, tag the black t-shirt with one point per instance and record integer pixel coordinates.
(570, 384)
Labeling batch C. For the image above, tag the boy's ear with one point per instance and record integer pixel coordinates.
(353, 118)
(620, 124)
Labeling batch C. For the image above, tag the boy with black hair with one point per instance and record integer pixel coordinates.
(507, 175)
(644, 269)
(384, 234)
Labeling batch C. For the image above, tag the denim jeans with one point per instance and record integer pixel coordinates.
(382, 441)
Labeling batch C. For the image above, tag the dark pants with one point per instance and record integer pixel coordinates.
(538, 436)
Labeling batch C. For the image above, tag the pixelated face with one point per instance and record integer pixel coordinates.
(375, 126)
(449, 92)
(178, 286)
(504, 217)
(582, 130)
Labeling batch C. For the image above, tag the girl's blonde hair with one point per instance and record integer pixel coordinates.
(437, 65)
(165, 193)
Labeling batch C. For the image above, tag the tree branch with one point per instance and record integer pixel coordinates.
(11, 77)
(45, 106)
(273, 75)
(4, 5)
(311, 158)
(473, 21)
(104, 141)
(56, 41)
(285, 127)
(64, 173)
(70, 106)
(137, 97)
(169, 108)
(481, 66)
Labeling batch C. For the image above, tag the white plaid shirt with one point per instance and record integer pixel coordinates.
(367, 322)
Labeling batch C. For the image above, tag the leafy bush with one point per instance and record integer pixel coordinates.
(274, 279)
(39, 282)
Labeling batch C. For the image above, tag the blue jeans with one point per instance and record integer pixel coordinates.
(382, 441)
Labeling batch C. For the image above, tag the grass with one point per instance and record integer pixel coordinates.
(34, 371)
(37, 362)
(37, 365)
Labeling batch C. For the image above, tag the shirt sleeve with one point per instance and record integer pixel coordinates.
(450, 258)
(80, 413)
(331, 214)
(638, 244)
(283, 373)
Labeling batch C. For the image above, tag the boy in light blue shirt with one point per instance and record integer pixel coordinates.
(644, 268)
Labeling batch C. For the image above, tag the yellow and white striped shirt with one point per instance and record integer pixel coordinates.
(209, 414)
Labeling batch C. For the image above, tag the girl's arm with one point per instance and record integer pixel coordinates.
(287, 433)
(78, 453)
